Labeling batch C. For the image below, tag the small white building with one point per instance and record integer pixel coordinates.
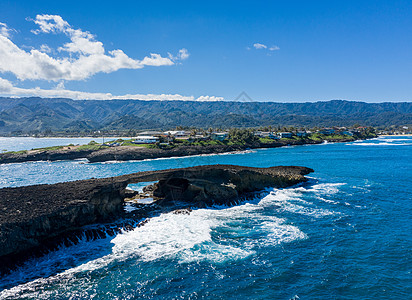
(145, 140)
(178, 134)
(285, 134)
(219, 136)
(150, 133)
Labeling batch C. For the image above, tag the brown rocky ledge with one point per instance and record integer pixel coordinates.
(31, 216)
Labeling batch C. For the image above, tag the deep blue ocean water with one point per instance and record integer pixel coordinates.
(345, 234)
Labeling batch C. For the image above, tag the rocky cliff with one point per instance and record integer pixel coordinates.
(31, 216)
(43, 155)
(123, 153)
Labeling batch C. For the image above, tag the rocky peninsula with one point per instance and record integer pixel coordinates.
(34, 218)
(123, 153)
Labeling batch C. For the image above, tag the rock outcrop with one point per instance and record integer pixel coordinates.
(208, 185)
(31, 216)
(43, 155)
(123, 153)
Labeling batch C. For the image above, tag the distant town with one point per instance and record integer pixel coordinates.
(107, 146)
(192, 135)
(239, 136)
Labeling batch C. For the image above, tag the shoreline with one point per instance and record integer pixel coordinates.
(130, 153)
(394, 135)
(42, 217)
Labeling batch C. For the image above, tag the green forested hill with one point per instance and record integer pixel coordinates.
(38, 114)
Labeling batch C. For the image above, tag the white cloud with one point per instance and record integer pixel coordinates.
(263, 46)
(6, 86)
(5, 30)
(274, 48)
(156, 60)
(183, 54)
(210, 98)
(8, 89)
(259, 46)
(46, 49)
(50, 24)
(86, 55)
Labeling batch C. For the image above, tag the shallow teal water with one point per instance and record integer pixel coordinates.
(28, 143)
(343, 235)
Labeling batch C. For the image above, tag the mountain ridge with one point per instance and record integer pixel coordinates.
(62, 114)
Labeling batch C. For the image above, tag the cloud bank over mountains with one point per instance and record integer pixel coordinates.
(79, 59)
(7, 88)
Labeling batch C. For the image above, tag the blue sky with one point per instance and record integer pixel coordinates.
(285, 51)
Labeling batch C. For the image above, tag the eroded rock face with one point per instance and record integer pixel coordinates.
(223, 184)
(31, 216)
(51, 155)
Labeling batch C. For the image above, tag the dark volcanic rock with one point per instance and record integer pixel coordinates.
(140, 153)
(222, 184)
(31, 216)
(123, 153)
(113, 153)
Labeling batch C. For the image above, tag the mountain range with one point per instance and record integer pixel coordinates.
(24, 115)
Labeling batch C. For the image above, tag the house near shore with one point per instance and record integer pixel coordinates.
(303, 133)
(178, 134)
(219, 136)
(283, 135)
(347, 132)
(197, 137)
(151, 133)
(327, 131)
(266, 134)
(145, 140)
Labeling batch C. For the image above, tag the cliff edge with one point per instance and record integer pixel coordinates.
(31, 216)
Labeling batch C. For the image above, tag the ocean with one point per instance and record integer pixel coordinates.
(344, 234)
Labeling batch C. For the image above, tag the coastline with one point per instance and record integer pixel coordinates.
(42, 217)
(127, 153)
(394, 135)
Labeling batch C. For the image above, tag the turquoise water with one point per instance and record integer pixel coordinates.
(346, 234)
(28, 143)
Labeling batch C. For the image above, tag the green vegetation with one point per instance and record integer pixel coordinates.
(339, 137)
(267, 140)
(316, 137)
(235, 136)
(94, 147)
(18, 152)
(242, 136)
(129, 143)
(289, 140)
(49, 148)
(210, 143)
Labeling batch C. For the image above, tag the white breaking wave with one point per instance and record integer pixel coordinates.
(216, 235)
(291, 200)
(176, 157)
(395, 140)
(379, 144)
(288, 201)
